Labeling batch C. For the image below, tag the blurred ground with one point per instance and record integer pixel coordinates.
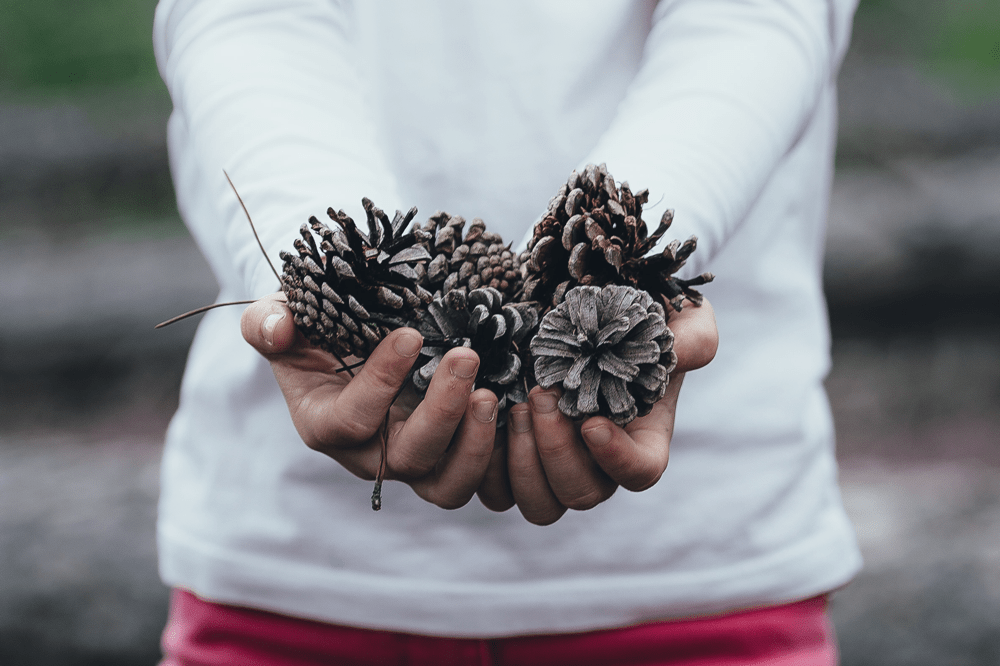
(92, 255)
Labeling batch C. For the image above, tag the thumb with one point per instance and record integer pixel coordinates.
(267, 325)
(696, 336)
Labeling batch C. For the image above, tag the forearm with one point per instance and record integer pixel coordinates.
(268, 91)
(724, 91)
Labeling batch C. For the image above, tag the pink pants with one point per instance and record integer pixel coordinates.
(200, 633)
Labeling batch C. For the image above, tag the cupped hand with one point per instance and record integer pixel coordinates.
(553, 463)
(440, 446)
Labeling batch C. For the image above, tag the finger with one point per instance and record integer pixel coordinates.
(427, 433)
(494, 492)
(529, 487)
(461, 470)
(360, 408)
(574, 477)
(696, 336)
(635, 457)
(267, 325)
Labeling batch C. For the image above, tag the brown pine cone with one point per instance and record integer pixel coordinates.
(349, 291)
(478, 259)
(593, 234)
(609, 350)
(482, 322)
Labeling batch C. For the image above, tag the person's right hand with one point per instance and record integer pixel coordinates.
(440, 445)
(553, 464)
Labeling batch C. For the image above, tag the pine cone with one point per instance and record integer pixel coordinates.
(608, 349)
(478, 259)
(350, 291)
(593, 234)
(493, 330)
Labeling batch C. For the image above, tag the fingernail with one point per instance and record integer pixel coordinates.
(267, 328)
(465, 368)
(543, 402)
(598, 435)
(520, 421)
(485, 411)
(408, 345)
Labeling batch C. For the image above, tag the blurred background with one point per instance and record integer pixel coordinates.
(93, 254)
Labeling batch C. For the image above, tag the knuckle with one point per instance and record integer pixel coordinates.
(640, 469)
(478, 457)
(330, 426)
(447, 411)
(649, 474)
(448, 500)
(351, 432)
(642, 480)
(586, 499)
(384, 376)
(583, 502)
(551, 447)
(408, 466)
(346, 431)
(520, 467)
(323, 437)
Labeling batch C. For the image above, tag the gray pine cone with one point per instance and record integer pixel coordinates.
(608, 349)
(482, 322)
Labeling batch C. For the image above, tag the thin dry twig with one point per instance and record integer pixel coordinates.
(204, 308)
(253, 228)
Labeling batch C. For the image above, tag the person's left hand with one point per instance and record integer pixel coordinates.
(552, 464)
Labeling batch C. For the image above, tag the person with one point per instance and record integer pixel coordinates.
(726, 111)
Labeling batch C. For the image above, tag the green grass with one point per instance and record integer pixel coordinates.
(65, 47)
(96, 56)
(965, 50)
(956, 42)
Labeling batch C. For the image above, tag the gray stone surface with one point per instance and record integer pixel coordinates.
(77, 552)
(66, 290)
(915, 228)
(930, 590)
(891, 106)
(47, 145)
(918, 420)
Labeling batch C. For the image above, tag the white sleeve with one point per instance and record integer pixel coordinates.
(269, 91)
(724, 90)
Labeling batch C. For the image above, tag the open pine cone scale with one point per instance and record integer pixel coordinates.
(482, 322)
(348, 291)
(593, 234)
(605, 347)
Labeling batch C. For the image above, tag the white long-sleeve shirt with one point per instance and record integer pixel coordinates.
(724, 109)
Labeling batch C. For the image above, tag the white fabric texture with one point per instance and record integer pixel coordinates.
(724, 109)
